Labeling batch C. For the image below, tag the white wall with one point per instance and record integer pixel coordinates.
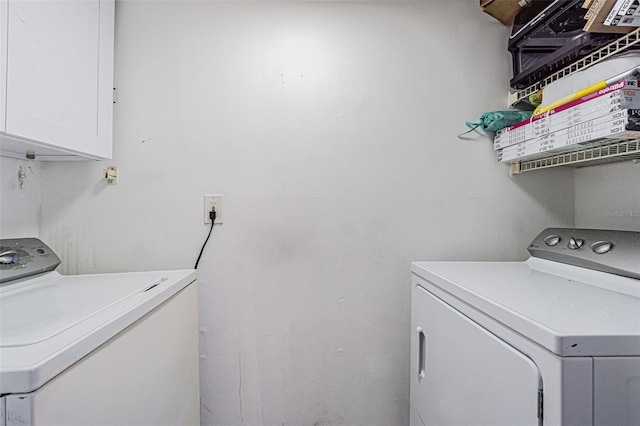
(19, 198)
(608, 197)
(330, 128)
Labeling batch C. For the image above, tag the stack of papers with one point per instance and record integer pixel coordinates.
(608, 115)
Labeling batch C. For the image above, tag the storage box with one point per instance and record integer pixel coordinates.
(503, 10)
(598, 11)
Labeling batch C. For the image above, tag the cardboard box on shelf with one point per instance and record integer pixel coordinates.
(598, 11)
(503, 10)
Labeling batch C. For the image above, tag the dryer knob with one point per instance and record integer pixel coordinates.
(602, 247)
(575, 243)
(552, 240)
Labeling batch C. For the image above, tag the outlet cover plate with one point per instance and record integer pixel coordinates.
(213, 200)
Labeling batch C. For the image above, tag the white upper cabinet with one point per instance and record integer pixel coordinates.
(56, 78)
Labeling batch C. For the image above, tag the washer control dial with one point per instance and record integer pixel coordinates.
(602, 247)
(575, 243)
(9, 257)
(552, 240)
(25, 257)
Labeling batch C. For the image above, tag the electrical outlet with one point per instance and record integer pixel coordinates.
(213, 201)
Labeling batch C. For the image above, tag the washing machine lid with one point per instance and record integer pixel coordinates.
(571, 311)
(39, 311)
(49, 322)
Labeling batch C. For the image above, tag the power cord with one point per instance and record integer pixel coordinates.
(212, 216)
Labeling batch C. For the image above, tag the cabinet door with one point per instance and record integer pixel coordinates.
(464, 375)
(60, 73)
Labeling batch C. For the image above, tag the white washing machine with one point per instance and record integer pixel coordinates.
(108, 349)
(553, 340)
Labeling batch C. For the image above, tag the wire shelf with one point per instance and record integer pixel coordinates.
(617, 46)
(611, 153)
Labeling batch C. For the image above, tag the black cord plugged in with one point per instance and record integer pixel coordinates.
(212, 216)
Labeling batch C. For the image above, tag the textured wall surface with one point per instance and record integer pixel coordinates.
(330, 128)
(19, 198)
(608, 197)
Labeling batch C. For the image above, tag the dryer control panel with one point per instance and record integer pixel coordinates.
(23, 257)
(616, 252)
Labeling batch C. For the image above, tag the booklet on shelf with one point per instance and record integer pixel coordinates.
(623, 94)
(619, 125)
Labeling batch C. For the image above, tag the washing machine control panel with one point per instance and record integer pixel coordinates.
(24, 257)
(616, 252)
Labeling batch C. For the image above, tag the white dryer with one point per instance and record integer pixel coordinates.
(106, 349)
(553, 340)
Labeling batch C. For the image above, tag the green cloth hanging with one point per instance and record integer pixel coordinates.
(498, 120)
